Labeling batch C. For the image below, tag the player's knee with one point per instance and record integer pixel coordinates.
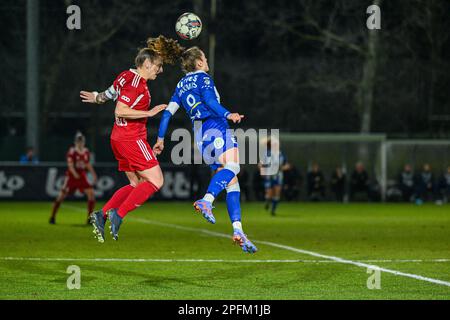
(61, 196)
(134, 183)
(233, 166)
(233, 188)
(158, 181)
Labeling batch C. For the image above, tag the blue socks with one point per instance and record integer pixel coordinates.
(234, 205)
(222, 178)
(274, 204)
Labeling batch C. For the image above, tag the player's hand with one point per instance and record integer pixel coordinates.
(76, 176)
(155, 110)
(158, 147)
(235, 117)
(87, 97)
(94, 180)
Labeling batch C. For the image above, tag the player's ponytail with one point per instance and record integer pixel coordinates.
(168, 49)
(189, 59)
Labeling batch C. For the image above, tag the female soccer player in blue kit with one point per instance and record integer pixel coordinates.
(197, 94)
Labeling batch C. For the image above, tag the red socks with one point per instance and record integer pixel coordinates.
(137, 197)
(118, 198)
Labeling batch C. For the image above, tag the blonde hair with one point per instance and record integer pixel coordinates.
(189, 59)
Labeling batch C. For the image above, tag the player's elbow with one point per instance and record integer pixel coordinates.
(121, 111)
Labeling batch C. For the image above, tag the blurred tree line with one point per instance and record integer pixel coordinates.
(301, 66)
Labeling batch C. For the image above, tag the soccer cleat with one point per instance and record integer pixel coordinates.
(52, 220)
(241, 239)
(98, 222)
(205, 208)
(116, 221)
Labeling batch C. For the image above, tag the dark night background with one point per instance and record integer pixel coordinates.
(301, 66)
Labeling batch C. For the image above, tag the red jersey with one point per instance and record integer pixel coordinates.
(80, 160)
(131, 90)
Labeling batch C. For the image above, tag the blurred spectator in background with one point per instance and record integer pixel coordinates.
(359, 183)
(425, 187)
(243, 182)
(444, 186)
(315, 183)
(406, 183)
(338, 184)
(292, 182)
(29, 157)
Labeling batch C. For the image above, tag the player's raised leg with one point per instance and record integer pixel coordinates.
(230, 162)
(234, 211)
(152, 181)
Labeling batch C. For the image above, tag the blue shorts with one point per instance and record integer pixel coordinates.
(212, 139)
(273, 181)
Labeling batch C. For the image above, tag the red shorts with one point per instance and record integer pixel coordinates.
(134, 155)
(71, 184)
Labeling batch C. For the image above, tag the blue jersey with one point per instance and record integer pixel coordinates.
(198, 95)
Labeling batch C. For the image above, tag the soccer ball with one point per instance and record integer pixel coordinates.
(188, 26)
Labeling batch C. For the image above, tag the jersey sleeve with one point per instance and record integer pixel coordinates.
(174, 103)
(126, 92)
(210, 97)
(111, 93)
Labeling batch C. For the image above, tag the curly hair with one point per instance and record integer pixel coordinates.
(168, 49)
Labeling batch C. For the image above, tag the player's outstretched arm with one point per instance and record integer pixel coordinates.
(98, 98)
(124, 111)
(164, 124)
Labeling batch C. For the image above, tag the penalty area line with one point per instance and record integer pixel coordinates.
(306, 252)
(293, 249)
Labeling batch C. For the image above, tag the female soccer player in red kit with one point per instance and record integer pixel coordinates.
(78, 162)
(129, 134)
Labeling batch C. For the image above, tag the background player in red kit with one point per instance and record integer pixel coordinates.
(78, 163)
(129, 134)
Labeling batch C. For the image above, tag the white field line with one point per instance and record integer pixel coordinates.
(289, 248)
(311, 253)
(199, 260)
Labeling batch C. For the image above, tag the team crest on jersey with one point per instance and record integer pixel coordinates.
(218, 143)
(207, 81)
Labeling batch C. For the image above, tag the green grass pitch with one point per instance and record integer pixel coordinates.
(166, 251)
